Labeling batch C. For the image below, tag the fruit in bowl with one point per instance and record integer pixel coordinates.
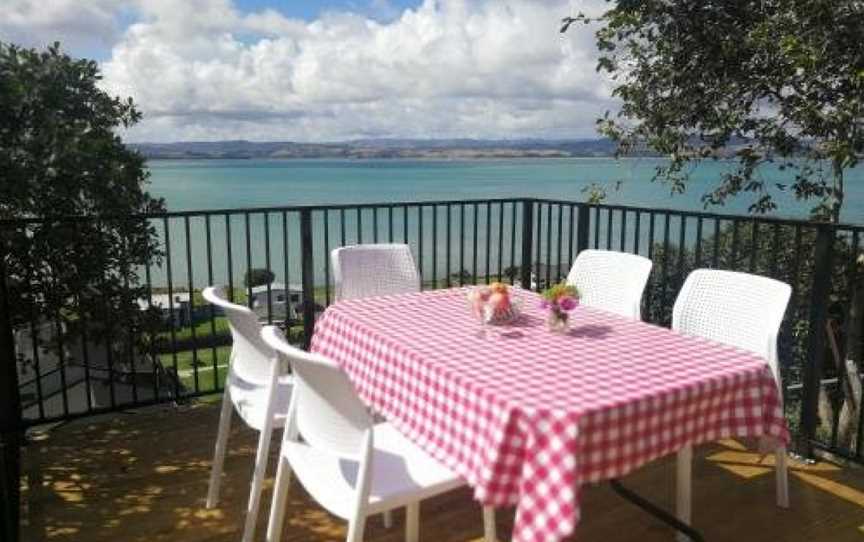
(494, 304)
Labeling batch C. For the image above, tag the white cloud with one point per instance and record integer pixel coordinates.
(201, 69)
(84, 25)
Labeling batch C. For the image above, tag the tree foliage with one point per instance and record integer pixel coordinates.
(258, 277)
(763, 81)
(61, 156)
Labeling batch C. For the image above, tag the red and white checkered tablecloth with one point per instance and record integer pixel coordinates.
(526, 416)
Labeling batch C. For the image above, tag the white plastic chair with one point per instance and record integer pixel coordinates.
(352, 467)
(611, 281)
(257, 389)
(740, 310)
(372, 270)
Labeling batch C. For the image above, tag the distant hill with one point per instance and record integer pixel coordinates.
(381, 148)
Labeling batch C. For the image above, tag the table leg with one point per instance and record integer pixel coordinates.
(683, 485)
(656, 511)
(489, 534)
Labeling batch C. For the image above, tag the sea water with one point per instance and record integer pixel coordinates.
(228, 184)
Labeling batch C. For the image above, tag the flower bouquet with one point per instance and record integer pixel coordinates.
(558, 301)
(493, 304)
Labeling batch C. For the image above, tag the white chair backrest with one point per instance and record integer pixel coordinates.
(325, 408)
(733, 308)
(611, 281)
(250, 355)
(373, 269)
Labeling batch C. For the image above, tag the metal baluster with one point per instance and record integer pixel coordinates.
(447, 252)
(560, 235)
(715, 259)
(698, 250)
(191, 286)
(156, 361)
(327, 255)
(608, 229)
(405, 224)
(420, 243)
(476, 227)
(248, 261)
(596, 227)
(500, 241)
(513, 243)
(665, 284)
(172, 329)
(488, 239)
(213, 352)
(572, 234)
(623, 235)
(754, 248)
(548, 244)
(230, 257)
(734, 255)
(268, 267)
(462, 244)
(435, 246)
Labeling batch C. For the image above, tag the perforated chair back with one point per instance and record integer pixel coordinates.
(611, 281)
(325, 407)
(373, 270)
(738, 309)
(250, 355)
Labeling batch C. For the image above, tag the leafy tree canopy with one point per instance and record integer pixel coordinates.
(60, 155)
(258, 277)
(765, 81)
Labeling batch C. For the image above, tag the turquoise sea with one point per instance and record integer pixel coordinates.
(218, 184)
(273, 239)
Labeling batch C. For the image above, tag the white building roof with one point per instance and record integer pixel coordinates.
(274, 286)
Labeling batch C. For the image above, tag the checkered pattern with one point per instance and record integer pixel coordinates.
(526, 416)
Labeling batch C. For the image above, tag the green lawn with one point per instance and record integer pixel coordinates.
(202, 329)
(185, 367)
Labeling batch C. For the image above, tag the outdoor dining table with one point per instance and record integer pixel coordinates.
(528, 416)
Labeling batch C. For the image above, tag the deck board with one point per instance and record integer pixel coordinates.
(143, 476)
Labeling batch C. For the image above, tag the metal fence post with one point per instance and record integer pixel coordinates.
(583, 225)
(308, 276)
(820, 290)
(10, 417)
(527, 242)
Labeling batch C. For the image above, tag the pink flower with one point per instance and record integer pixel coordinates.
(545, 304)
(568, 303)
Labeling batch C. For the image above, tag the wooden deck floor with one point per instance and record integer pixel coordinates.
(143, 477)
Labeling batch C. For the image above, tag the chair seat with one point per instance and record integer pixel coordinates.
(250, 400)
(401, 474)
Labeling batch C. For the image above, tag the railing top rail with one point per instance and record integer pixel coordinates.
(703, 214)
(17, 222)
(254, 210)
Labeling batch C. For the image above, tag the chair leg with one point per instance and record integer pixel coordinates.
(219, 453)
(782, 473)
(257, 481)
(684, 483)
(412, 522)
(280, 498)
(388, 519)
(489, 534)
(355, 529)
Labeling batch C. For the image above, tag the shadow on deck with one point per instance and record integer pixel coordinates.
(143, 477)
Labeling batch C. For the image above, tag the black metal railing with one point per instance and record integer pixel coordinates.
(67, 366)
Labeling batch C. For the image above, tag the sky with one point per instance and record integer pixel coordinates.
(332, 70)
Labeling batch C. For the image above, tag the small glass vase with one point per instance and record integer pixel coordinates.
(557, 321)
